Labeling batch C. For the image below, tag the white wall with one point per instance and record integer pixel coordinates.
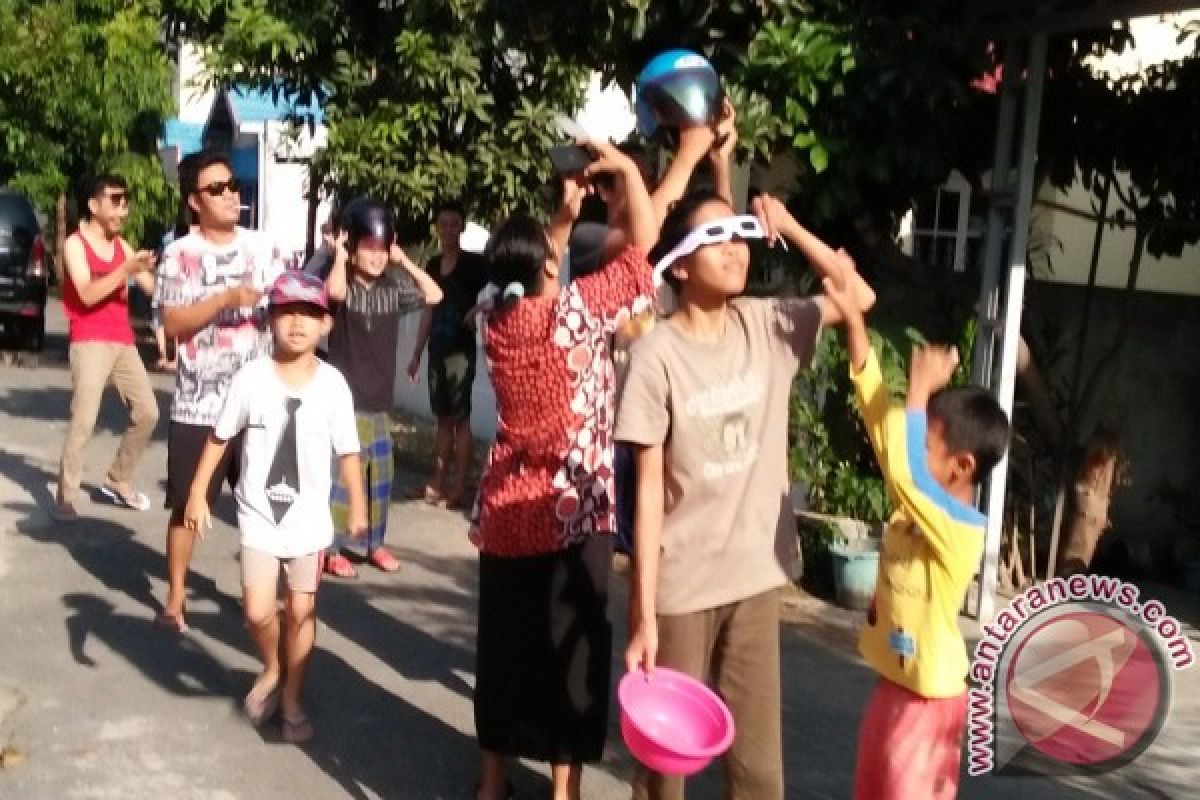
(194, 101)
(1066, 239)
(285, 204)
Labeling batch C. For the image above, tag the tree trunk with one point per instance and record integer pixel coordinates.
(60, 236)
(1090, 499)
(1033, 390)
(314, 199)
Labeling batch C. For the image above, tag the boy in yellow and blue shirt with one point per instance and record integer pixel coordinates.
(932, 454)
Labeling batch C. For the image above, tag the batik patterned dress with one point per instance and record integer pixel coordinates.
(548, 483)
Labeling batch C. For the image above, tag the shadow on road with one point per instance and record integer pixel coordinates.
(53, 404)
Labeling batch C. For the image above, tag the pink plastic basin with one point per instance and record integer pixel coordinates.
(671, 722)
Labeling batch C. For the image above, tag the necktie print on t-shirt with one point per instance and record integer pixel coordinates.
(283, 479)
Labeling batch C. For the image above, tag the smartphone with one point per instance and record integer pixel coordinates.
(570, 159)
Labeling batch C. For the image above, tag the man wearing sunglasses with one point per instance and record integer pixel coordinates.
(99, 266)
(211, 300)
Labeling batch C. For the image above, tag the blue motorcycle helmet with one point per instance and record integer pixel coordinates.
(676, 89)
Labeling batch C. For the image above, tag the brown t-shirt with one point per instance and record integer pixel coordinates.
(720, 410)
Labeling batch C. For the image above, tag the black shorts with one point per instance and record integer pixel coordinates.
(451, 378)
(185, 443)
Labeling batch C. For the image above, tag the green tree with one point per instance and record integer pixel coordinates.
(425, 99)
(84, 86)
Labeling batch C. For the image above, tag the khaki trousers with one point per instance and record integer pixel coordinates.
(93, 365)
(735, 649)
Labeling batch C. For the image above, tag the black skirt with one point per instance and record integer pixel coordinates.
(543, 654)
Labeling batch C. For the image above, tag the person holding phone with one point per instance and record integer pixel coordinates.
(210, 293)
(544, 516)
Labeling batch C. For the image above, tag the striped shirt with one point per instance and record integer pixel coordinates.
(366, 328)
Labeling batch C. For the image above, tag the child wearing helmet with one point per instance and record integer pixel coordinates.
(368, 300)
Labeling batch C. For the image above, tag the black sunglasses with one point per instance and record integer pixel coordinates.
(218, 188)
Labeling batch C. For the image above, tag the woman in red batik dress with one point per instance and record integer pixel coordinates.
(545, 510)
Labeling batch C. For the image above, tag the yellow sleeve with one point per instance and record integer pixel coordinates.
(898, 438)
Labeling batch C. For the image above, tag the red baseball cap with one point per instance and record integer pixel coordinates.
(294, 287)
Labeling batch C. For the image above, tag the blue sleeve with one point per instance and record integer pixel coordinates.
(918, 467)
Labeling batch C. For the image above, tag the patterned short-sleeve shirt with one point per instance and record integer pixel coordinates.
(194, 269)
(549, 478)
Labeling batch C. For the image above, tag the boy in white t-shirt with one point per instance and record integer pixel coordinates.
(295, 409)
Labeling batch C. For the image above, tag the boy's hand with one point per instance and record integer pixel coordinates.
(196, 516)
(840, 291)
(414, 367)
(474, 536)
(356, 524)
(726, 135)
(931, 367)
(642, 651)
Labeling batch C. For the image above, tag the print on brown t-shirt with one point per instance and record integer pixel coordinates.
(720, 412)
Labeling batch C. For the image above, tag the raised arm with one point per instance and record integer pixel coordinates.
(720, 155)
(641, 223)
(574, 189)
(337, 280)
(429, 288)
(694, 144)
(828, 262)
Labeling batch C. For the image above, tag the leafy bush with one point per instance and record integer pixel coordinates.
(829, 450)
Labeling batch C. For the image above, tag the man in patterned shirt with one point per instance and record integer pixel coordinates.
(211, 296)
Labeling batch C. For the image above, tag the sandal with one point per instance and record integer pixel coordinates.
(297, 729)
(136, 501)
(339, 566)
(383, 560)
(171, 622)
(260, 705)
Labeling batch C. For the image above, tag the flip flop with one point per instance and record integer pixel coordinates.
(338, 565)
(137, 501)
(260, 705)
(383, 560)
(171, 622)
(297, 729)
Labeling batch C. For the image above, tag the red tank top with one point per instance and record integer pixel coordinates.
(108, 320)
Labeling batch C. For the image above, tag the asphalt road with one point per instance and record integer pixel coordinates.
(97, 703)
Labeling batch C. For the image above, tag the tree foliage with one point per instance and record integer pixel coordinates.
(425, 99)
(428, 98)
(84, 87)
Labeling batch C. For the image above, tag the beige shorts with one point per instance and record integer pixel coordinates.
(303, 572)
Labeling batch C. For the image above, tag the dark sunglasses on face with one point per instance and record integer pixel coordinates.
(218, 188)
(117, 198)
